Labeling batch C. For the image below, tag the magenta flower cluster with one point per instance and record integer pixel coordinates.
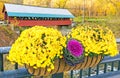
(75, 47)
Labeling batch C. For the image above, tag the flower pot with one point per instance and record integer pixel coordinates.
(61, 66)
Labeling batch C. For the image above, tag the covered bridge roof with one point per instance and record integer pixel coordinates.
(32, 11)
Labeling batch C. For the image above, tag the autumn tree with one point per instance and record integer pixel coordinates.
(48, 3)
(116, 4)
(44, 3)
(76, 7)
(60, 3)
(1, 8)
(92, 7)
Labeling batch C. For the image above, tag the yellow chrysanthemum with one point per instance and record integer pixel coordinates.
(96, 40)
(38, 47)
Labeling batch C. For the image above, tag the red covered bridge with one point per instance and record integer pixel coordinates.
(31, 15)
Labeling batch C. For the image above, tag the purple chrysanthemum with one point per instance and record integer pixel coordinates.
(75, 47)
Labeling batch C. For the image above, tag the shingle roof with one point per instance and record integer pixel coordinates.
(32, 11)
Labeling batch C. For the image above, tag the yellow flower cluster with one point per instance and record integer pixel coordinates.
(38, 47)
(96, 40)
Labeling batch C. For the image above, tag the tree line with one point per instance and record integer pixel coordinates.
(90, 8)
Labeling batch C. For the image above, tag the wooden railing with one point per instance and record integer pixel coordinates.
(110, 67)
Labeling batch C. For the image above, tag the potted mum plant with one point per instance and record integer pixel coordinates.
(38, 47)
(46, 51)
(87, 45)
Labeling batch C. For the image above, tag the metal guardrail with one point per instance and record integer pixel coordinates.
(22, 72)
